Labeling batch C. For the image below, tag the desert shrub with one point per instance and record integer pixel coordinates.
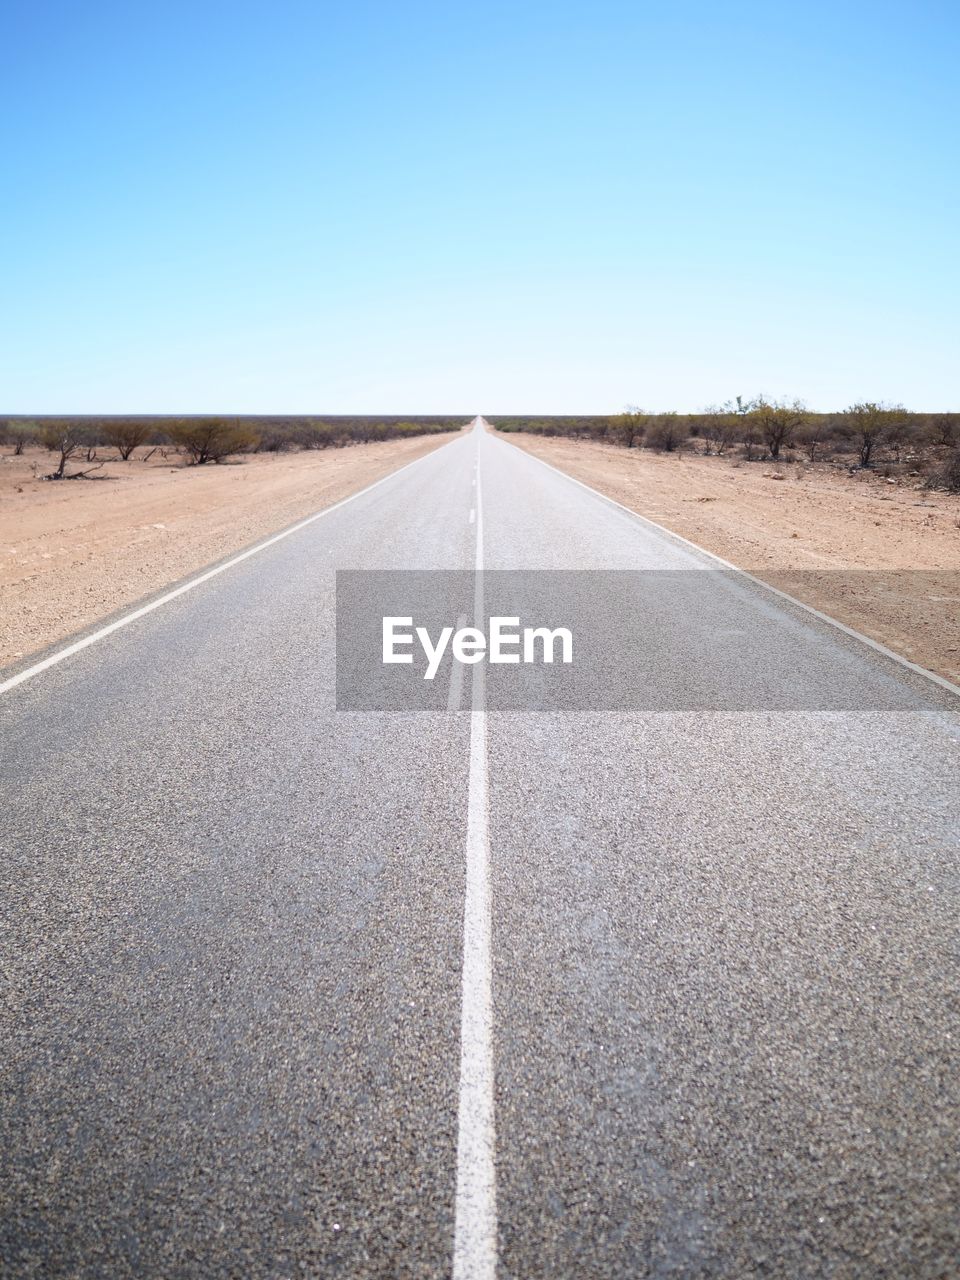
(316, 434)
(868, 424)
(627, 428)
(274, 439)
(581, 428)
(902, 433)
(66, 441)
(212, 439)
(323, 435)
(944, 429)
(20, 435)
(125, 434)
(947, 474)
(667, 432)
(271, 433)
(365, 431)
(719, 429)
(816, 436)
(776, 422)
(768, 428)
(752, 445)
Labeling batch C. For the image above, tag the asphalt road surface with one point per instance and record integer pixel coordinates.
(291, 991)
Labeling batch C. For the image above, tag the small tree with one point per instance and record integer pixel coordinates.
(628, 428)
(20, 435)
(899, 434)
(720, 426)
(947, 475)
(66, 441)
(666, 433)
(320, 435)
(869, 423)
(777, 422)
(212, 439)
(944, 429)
(752, 444)
(815, 432)
(125, 435)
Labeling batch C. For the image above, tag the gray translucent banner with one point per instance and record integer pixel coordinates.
(687, 640)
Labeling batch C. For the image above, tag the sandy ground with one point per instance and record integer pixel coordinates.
(882, 558)
(73, 551)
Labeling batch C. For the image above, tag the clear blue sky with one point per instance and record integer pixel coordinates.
(491, 207)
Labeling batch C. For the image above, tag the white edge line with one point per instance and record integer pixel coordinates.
(69, 650)
(475, 1210)
(942, 681)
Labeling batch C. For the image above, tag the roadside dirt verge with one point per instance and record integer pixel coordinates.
(882, 558)
(72, 551)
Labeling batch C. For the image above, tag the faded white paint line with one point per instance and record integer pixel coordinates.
(475, 1224)
(473, 514)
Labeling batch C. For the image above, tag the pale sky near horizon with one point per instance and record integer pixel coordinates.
(433, 207)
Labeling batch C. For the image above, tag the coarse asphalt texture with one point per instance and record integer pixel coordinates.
(726, 1006)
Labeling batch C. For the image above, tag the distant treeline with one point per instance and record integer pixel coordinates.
(207, 437)
(863, 435)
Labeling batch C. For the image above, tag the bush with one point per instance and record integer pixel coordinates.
(667, 432)
(768, 428)
(321, 435)
(20, 435)
(719, 428)
(274, 440)
(267, 432)
(752, 445)
(212, 439)
(67, 441)
(870, 425)
(125, 434)
(944, 429)
(777, 422)
(628, 428)
(947, 475)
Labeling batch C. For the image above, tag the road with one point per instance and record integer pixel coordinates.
(706, 1020)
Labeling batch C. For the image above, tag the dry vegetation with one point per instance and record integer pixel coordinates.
(886, 439)
(86, 443)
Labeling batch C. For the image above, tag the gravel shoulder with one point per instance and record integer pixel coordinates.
(882, 558)
(73, 551)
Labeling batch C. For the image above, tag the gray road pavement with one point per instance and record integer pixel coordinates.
(723, 945)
